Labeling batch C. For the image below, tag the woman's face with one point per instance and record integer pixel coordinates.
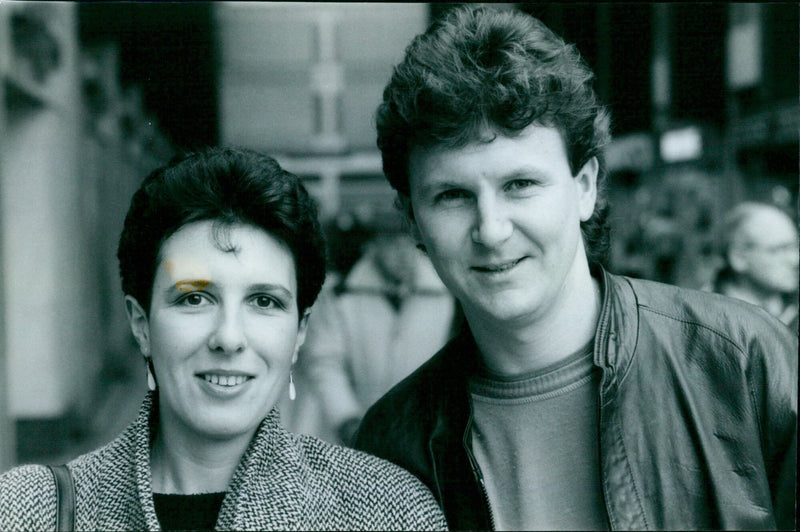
(223, 329)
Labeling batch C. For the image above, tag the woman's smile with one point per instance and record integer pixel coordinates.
(224, 386)
(225, 380)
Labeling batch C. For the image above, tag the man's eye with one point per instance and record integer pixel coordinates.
(452, 194)
(266, 302)
(519, 184)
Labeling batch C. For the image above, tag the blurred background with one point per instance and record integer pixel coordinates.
(704, 99)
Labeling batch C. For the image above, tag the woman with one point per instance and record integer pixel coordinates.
(221, 258)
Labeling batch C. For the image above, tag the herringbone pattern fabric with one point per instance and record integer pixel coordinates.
(283, 482)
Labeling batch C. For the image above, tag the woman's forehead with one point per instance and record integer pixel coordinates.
(193, 250)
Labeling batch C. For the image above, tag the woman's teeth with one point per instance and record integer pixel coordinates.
(225, 380)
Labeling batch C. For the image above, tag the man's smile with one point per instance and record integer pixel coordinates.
(498, 267)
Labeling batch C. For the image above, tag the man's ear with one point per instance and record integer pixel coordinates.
(137, 318)
(302, 330)
(586, 181)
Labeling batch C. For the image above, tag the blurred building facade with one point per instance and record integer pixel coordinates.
(704, 99)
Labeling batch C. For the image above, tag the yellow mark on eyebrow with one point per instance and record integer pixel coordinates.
(191, 286)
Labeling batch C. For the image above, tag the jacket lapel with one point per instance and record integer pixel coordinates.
(269, 489)
(450, 442)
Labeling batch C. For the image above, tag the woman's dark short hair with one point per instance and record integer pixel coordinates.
(480, 72)
(227, 186)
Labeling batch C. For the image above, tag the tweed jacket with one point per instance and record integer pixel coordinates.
(284, 481)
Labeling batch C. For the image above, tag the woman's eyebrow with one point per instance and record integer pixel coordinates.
(190, 285)
(271, 287)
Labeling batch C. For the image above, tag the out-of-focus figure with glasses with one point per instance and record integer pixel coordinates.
(761, 255)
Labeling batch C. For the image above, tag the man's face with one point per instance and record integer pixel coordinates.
(501, 221)
(768, 251)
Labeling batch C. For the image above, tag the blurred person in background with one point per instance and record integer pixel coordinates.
(221, 257)
(573, 398)
(370, 330)
(668, 230)
(761, 255)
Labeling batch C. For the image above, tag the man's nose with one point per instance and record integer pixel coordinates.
(492, 225)
(228, 335)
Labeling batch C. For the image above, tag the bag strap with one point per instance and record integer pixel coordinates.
(65, 496)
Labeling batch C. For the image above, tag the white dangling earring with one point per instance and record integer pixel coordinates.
(292, 392)
(151, 379)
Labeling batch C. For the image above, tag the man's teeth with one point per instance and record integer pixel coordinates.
(225, 380)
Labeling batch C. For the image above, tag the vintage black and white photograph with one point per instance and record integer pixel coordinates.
(399, 266)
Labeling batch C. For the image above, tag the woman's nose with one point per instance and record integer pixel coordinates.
(492, 224)
(228, 336)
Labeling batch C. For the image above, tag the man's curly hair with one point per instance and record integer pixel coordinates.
(480, 72)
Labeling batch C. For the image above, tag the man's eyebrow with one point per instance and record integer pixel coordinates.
(430, 188)
(525, 172)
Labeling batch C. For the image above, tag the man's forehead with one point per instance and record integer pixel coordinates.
(768, 220)
(768, 227)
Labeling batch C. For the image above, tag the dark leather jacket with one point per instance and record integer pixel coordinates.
(698, 415)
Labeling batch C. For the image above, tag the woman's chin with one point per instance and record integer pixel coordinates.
(226, 429)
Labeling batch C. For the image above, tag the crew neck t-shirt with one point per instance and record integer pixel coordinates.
(535, 438)
(187, 512)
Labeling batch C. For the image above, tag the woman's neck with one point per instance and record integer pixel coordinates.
(186, 465)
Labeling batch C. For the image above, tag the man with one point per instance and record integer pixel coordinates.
(574, 399)
(761, 255)
(389, 315)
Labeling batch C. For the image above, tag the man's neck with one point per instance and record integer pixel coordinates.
(522, 346)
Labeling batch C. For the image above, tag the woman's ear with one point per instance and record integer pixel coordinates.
(137, 318)
(301, 334)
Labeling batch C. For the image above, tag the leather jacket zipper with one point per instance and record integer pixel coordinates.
(476, 472)
(486, 498)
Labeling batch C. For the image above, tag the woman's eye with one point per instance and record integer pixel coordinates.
(194, 299)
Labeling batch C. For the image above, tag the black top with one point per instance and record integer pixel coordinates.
(187, 512)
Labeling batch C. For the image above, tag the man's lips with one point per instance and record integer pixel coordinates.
(498, 267)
